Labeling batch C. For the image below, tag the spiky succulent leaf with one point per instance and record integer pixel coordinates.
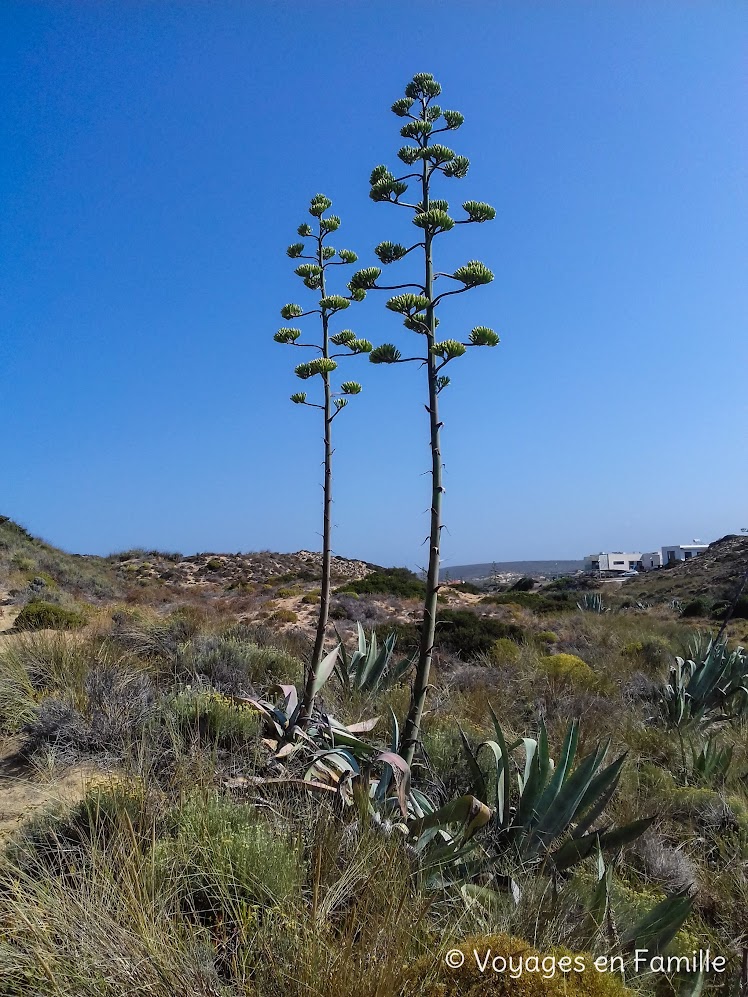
(364, 279)
(304, 230)
(360, 346)
(291, 311)
(295, 250)
(334, 303)
(343, 338)
(287, 335)
(299, 398)
(458, 167)
(351, 388)
(473, 273)
(402, 107)
(386, 353)
(347, 256)
(448, 349)
(483, 336)
(478, 211)
(319, 204)
(434, 219)
(453, 119)
(407, 304)
(390, 252)
(330, 224)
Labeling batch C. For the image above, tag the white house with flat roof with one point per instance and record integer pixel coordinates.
(614, 563)
(652, 560)
(682, 552)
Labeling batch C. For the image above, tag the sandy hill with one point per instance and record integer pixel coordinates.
(715, 574)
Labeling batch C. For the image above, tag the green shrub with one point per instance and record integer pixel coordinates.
(466, 633)
(287, 593)
(221, 856)
(568, 669)
(21, 563)
(696, 607)
(213, 564)
(232, 663)
(740, 611)
(525, 584)
(40, 615)
(214, 717)
(546, 637)
(284, 616)
(652, 650)
(539, 602)
(387, 581)
(311, 598)
(504, 651)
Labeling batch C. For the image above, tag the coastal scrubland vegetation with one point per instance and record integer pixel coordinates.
(204, 854)
(549, 770)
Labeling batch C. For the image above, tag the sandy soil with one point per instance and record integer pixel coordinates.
(23, 790)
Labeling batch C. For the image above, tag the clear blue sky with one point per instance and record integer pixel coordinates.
(157, 159)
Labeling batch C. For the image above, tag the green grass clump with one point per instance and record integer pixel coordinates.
(221, 855)
(387, 581)
(504, 651)
(543, 603)
(311, 598)
(284, 616)
(568, 669)
(40, 615)
(214, 717)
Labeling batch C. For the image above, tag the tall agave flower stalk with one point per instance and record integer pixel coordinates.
(315, 274)
(429, 161)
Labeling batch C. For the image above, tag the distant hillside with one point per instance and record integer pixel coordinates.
(713, 574)
(520, 568)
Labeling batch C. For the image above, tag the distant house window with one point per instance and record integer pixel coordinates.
(632, 564)
(617, 563)
(687, 554)
(671, 555)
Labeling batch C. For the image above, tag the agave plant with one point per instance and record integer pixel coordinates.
(592, 602)
(370, 668)
(710, 762)
(554, 816)
(709, 687)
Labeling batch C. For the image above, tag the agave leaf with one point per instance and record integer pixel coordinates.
(401, 773)
(479, 783)
(599, 795)
(466, 811)
(564, 805)
(659, 926)
(627, 832)
(326, 668)
(503, 798)
(363, 727)
(565, 762)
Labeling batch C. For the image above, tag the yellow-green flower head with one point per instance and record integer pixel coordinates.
(291, 311)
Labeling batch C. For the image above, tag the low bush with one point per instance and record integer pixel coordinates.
(568, 669)
(221, 856)
(234, 665)
(40, 615)
(696, 607)
(387, 581)
(504, 651)
(212, 717)
(543, 603)
(284, 616)
(467, 634)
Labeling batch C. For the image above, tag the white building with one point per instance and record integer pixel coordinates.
(614, 563)
(682, 552)
(652, 560)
